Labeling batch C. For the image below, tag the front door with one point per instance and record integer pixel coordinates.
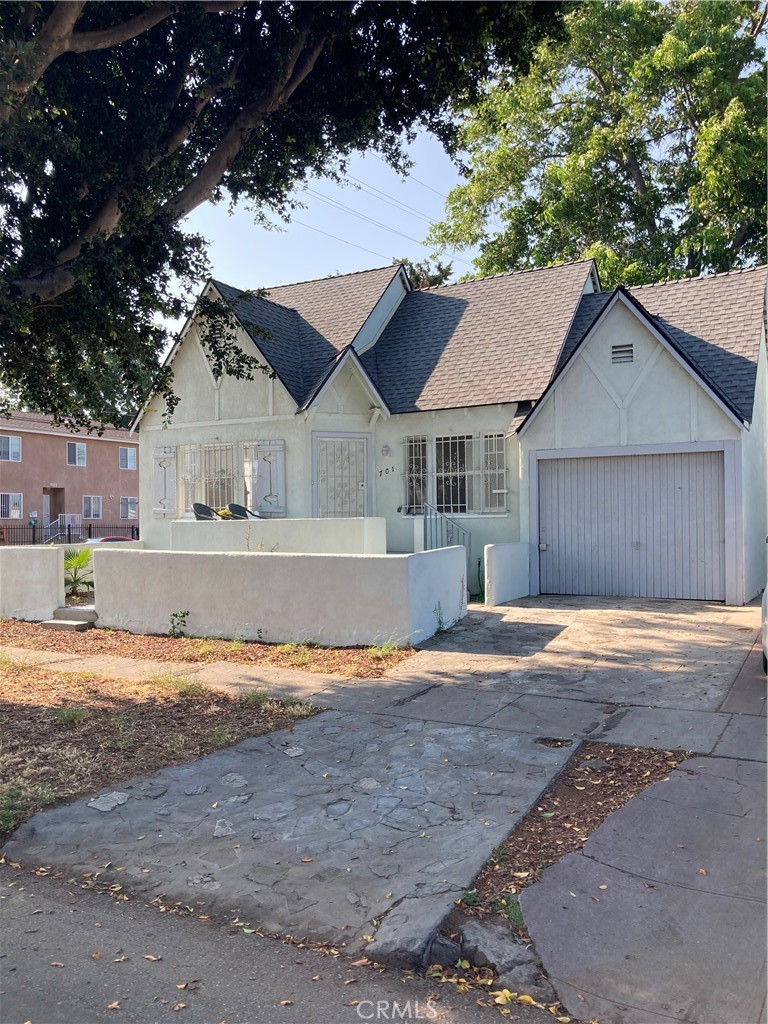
(341, 475)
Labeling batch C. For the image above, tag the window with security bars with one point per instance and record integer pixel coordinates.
(458, 473)
(219, 474)
(188, 476)
(415, 473)
(11, 506)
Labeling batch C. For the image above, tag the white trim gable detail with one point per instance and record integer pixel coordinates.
(349, 355)
(164, 482)
(382, 312)
(662, 345)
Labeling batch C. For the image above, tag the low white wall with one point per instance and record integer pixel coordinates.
(31, 581)
(312, 536)
(339, 600)
(507, 572)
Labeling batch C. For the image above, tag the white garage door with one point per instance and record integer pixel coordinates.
(633, 526)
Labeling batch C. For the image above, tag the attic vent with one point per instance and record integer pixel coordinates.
(622, 353)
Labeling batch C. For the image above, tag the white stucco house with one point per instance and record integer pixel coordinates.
(621, 435)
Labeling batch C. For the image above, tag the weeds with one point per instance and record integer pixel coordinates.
(71, 716)
(178, 624)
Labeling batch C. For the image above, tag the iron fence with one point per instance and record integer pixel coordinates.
(70, 534)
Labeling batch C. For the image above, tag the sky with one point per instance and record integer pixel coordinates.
(336, 233)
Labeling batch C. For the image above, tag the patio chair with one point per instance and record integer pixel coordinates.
(241, 512)
(204, 513)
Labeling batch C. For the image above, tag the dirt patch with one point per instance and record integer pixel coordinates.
(596, 781)
(66, 734)
(366, 662)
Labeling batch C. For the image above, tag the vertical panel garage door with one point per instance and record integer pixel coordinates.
(633, 526)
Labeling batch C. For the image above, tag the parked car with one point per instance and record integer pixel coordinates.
(110, 540)
(765, 630)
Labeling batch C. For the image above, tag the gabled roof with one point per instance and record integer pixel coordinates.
(715, 322)
(309, 323)
(480, 342)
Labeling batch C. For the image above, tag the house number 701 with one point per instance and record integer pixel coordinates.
(387, 471)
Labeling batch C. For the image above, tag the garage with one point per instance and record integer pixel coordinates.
(633, 525)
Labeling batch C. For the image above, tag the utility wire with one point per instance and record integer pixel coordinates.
(385, 197)
(362, 216)
(337, 239)
(412, 178)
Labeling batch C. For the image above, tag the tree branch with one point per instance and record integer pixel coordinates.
(53, 281)
(102, 39)
(48, 44)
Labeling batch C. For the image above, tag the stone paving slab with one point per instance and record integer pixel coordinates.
(453, 704)
(317, 831)
(663, 727)
(553, 717)
(628, 929)
(744, 737)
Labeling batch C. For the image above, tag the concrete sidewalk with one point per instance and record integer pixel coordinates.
(662, 915)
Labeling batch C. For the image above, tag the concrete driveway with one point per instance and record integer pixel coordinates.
(370, 819)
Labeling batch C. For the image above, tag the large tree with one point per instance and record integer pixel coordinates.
(118, 118)
(638, 139)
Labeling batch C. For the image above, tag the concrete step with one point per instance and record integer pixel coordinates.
(81, 612)
(69, 625)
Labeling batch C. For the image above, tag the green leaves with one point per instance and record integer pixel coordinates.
(639, 141)
(104, 152)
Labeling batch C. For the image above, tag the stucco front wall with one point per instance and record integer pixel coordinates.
(245, 411)
(652, 401)
(340, 600)
(755, 489)
(31, 581)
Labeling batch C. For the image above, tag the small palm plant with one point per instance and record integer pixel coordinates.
(78, 574)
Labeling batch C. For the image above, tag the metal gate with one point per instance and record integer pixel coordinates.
(341, 476)
(633, 526)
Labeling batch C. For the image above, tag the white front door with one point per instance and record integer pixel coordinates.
(341, 475)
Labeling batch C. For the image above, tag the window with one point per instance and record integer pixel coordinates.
(11, 506)
(91, 506)
(10, 449)
(127, 458)
(622, 353)
(458, 474)
(219, 476)
(415, 470)
(188, 469)
(75, 453)
(129, 508)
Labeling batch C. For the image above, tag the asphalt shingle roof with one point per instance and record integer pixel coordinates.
(715, 321)
(309, 323)
(499, 339)
(478, 343)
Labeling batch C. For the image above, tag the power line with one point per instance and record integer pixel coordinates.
(412, 178)
(337, 239)
(335, 204)
(385, 197)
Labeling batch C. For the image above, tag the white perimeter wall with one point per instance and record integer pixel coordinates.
(507, 572)
(31, 582)
(339, 600)
(309, 536)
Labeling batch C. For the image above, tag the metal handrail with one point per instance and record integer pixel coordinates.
(440, 531)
